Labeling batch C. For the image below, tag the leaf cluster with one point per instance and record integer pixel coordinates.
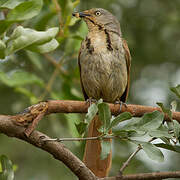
(127, 128)
(24, 38)
(6, 168)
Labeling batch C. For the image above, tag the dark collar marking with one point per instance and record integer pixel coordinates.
(108, 40)
(89, 46)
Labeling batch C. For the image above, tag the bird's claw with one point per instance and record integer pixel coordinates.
(121, 104)
(90, 101)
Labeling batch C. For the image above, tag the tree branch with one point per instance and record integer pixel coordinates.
(67, 106)
(146, 176)
(58, 150)
(61, 106)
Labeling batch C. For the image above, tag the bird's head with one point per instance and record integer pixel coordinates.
(98, 18)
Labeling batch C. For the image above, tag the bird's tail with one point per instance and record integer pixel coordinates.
(93, 151)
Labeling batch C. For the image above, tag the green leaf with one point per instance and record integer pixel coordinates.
(69, 6)
(131, 124)
(45, 48)
(152, 151)
(173, 106)
(99, 101)
(19, 78)
(25, 38)
(15, 167)
(81, 127)
(150, 121)
(176, 129)
(176, 90)
(105, 149)
(2, 45)
(159, 133)
(170, 125)
(25, 10)
(75, 3)
(2, 49)
(165, 110)
(165, 140)
(126, 133)
(147, 123)
(104, 116)
(92, 111)
(10, 4)
(22, 11)
(4, 24)
(121, 117)
(174, 148)
(78, 37)
(7, 168)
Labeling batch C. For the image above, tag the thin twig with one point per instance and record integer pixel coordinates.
(72, 139)
(55, 63)
(51, 59)
(49, 84)
(131, 157)
(82, 139)
(58, 11)
(53, 76)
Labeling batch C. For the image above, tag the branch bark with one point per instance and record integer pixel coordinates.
(146, 176)
(66, 106)
(58, 150)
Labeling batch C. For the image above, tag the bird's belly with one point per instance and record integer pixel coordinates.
(103, 76)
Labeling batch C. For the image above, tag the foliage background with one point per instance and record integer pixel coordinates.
(152, 31)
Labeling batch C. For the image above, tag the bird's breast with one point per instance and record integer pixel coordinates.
(98, 41)
(103, 72)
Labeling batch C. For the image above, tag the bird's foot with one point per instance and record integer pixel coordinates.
(121, 104)
(90, 101)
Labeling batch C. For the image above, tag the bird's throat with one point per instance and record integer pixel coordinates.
(99, 41)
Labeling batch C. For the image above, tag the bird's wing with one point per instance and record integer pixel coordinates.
(128, 64)
(82, 87)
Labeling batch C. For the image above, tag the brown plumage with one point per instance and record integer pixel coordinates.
(104, 63)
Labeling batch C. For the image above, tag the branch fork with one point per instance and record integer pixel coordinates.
(31, 116)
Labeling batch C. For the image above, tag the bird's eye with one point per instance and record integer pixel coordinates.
(97, 13)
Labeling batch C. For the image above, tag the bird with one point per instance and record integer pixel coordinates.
(104, 63)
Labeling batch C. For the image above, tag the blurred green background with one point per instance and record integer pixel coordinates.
(152, 30)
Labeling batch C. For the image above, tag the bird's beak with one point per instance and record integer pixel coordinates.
(80, 14)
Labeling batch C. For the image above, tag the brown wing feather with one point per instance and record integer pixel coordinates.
(128, 63)
(82, 87)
